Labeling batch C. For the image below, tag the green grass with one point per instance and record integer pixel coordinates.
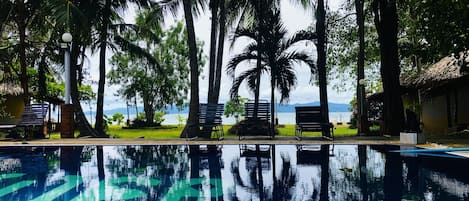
(343, 130)
(163, 132)
(173, 131)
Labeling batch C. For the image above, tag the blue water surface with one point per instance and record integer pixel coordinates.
(229, 172)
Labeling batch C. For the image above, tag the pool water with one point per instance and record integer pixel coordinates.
(229, 172)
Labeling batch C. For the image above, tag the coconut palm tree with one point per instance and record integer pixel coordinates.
(192, 126)
(107, 15)
(321, 48)
(249, 14)
(276, 55)
(87, 20)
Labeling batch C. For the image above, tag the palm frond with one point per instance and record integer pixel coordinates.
(298, 57)
(303, 35)
(243, 32)
(137, 51)
(250, 75)
(237, 59)
(141, 31)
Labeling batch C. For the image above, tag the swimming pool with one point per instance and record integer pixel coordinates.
(228, 172)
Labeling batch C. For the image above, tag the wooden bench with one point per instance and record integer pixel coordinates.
(210, 119)
(309, 118)
(251, 119)
(33, 115)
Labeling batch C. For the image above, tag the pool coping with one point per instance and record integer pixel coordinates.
(362, 140)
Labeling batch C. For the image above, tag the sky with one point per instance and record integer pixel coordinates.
(294, 17)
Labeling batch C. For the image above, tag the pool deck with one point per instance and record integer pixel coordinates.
(365, 140)
(435, 143)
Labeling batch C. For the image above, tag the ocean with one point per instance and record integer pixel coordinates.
(283, 118)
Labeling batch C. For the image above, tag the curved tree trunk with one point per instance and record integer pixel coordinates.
(386, 22)
(321, 63)
(192, 126)
(81, 122)
(99, 126)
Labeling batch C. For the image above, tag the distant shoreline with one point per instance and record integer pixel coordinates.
(283, 117)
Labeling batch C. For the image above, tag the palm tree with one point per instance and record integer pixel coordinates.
(192, 126)
(321, 48)
(250, 14)
(214, 5)
(107, 14)
(275, 55)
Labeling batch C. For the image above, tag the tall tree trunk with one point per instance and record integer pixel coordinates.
(361, 105)
(42, 86)
(392, 177)
(221, 46)
(99, 125)
(149, 111)
(259, 58)
(81, 122)
(260, 178)
(321, 63)
(101, 174)
(192, 126)
(386, 21)
(20, 21)
(213, 53)
(214, 167)
(324, 158)
(362, 165)
(272, 102)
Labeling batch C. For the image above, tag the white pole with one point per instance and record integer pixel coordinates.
(67, 75)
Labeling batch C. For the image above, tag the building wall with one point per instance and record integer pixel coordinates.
(434, 115)
(463, 105)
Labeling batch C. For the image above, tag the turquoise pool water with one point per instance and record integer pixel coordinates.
(229, 172)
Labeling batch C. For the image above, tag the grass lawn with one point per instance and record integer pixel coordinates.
(173, 131)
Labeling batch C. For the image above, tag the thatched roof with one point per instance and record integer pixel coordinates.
(447, 69)
(10, 89)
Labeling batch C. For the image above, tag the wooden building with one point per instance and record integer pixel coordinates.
(441, 95)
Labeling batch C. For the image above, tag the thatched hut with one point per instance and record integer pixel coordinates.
(443, 93)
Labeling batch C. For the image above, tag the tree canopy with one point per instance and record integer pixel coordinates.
(158, 87)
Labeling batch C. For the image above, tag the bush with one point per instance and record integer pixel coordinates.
(158, 118)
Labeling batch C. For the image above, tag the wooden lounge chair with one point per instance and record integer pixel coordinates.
(252, 120)
(310, 119)
(253, 153)
(33, 115)
(312, 154)
(210, 119)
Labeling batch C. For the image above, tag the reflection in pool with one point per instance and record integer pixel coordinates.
(229, 172)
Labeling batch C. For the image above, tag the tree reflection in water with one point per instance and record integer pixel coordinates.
(255, 172)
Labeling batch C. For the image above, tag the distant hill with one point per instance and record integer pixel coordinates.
(289, 108)
(333, 107)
